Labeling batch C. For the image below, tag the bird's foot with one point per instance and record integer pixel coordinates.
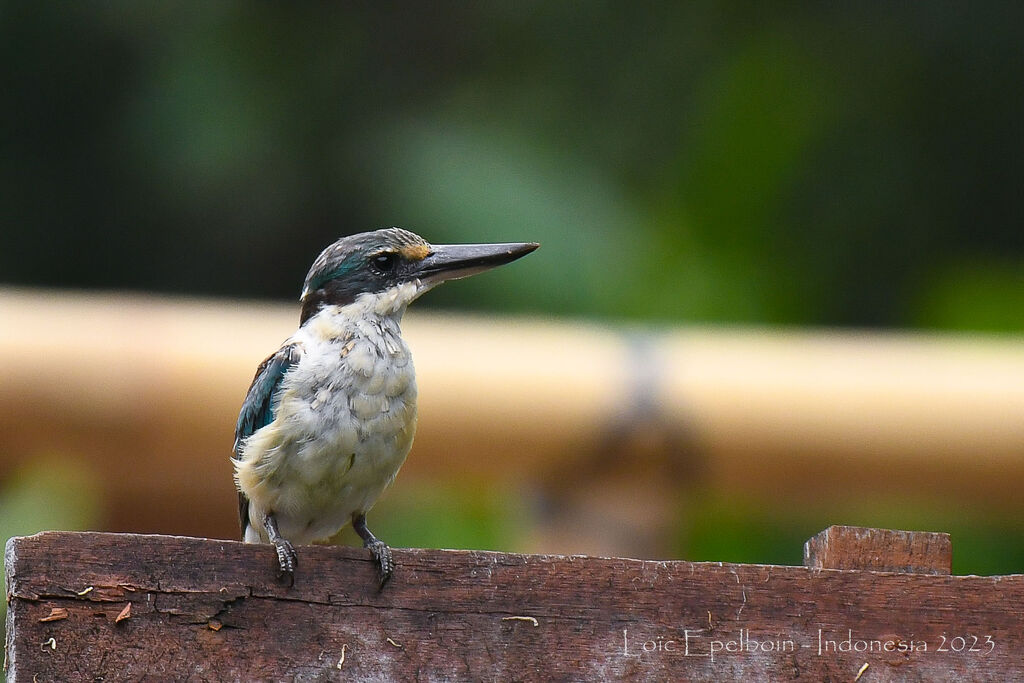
(287, 560)
(378, 548)
(385, 561)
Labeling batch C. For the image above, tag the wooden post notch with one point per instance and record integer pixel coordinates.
(85, 606)
(880, 550)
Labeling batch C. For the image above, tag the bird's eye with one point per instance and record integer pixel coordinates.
(385, 262)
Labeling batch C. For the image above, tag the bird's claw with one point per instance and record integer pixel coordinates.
(385, 561)
(287, 560)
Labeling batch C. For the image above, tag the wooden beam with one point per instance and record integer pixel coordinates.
(83, 606)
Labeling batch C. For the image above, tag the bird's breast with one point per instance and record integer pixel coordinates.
(344, 423)
(357, 390)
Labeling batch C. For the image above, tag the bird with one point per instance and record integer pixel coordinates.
(329, 417)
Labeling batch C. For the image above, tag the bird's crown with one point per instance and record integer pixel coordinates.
(365, 262)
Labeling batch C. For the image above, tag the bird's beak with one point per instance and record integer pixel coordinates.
(453, 261)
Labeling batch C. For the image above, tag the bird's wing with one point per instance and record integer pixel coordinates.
(259, 405)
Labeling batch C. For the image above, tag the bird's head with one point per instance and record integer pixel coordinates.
(378, 262)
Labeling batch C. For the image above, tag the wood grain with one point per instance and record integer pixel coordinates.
(880, 550)
(134, 607)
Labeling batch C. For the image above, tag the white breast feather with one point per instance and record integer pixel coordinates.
(344, 423)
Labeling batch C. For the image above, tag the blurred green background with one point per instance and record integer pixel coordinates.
(821, 164)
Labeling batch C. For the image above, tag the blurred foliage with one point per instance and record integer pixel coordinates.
(767, 531)
(445, 516)
(49, 493)
(784, 163)
(798, 163)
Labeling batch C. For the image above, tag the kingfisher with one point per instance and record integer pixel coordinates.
(330, 416)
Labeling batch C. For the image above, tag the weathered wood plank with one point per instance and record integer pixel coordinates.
(212, 610)
(880, 550)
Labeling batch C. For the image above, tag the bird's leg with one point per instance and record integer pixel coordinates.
(286, 557)
(378, 548)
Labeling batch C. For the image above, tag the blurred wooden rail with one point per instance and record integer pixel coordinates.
(148, 389)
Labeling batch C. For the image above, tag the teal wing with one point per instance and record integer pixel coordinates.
(259, 406)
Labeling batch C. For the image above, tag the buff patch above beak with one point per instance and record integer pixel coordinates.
(414, 252)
